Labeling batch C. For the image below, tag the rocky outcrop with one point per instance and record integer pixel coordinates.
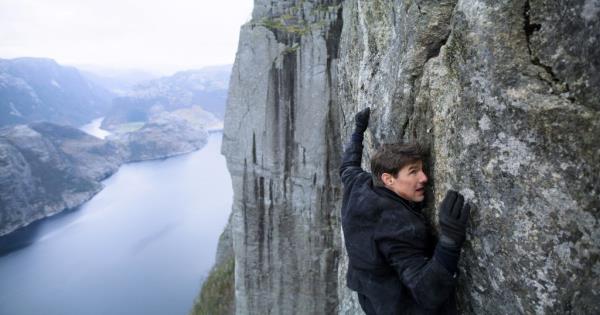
(163, 136)
(47, 168)
(37, 89)
(504, 95)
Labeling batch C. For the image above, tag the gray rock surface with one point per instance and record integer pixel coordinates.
(284, 224)
(503, 93)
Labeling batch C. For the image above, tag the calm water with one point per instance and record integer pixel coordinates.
(141, 246)
(94, 129)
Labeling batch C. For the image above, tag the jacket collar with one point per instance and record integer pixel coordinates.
(382, 191)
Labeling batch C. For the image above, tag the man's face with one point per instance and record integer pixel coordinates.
(409, 183)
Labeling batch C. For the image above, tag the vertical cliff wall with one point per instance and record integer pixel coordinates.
(506, 96)
(282, 144)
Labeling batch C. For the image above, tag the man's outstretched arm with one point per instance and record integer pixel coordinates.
(353, 153)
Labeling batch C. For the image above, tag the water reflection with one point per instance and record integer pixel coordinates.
(32, 233)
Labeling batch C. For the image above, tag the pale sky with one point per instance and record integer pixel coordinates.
(154, 35)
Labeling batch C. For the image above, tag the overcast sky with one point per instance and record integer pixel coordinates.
(152, 35)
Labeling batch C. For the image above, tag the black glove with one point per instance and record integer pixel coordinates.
(454, 214)
(361, 119)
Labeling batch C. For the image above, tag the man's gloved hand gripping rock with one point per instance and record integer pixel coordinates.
(453, 216)
(352, 157)
(361, 120)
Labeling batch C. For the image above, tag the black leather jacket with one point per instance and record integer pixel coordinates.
(390, 247)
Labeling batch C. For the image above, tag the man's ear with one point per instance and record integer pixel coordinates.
(387, 179)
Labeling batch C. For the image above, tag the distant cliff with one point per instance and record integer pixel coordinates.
(206, 88)
(46, 168)
(505, 96)
(166, 135)
(36, 89)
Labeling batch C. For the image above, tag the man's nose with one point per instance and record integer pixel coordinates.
(423, 178)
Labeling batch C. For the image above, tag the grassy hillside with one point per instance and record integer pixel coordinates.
(217, 295)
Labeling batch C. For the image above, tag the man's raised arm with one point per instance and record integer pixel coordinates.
(353, 153)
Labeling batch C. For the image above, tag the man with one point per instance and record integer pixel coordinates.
(395, 265)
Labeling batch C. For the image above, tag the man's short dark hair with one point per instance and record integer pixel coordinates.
(391, 158)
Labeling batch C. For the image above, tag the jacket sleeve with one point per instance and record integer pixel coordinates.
(403, 246)
(350, 168)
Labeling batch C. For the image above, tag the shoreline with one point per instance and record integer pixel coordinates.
(38, 218)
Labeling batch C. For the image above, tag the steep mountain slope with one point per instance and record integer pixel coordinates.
(46, 168)
(36, 89)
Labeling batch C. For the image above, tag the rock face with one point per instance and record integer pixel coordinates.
(35, 89)
(503, 93)
(284, 223)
